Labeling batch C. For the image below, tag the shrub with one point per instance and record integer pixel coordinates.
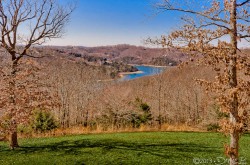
(43, 121)
(24, 129)
(143, 116)
(213, 127)
(145, 107)
(135, 120)
(4, 125)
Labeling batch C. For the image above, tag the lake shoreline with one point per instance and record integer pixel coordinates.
(144, 70)
(122, 74)
(150, 65)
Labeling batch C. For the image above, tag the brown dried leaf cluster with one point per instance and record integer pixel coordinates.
(214, 32)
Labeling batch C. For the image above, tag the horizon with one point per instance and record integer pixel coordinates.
(144, 46)
(117, 22)
(98, 23)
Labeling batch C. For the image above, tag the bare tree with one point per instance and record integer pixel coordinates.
(213, 22)
(159, 97)
(208, 24)
(23, 24)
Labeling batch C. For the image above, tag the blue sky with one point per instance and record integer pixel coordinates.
(110, 22)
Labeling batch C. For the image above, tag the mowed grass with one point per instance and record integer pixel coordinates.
(124, 148)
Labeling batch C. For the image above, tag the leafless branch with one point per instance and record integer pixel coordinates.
(46, 20)
(168, 8)
(243, 3)
(213, 24)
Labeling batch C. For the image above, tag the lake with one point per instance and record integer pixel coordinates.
(146, 71)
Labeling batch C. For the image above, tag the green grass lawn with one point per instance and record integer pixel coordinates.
(124, 148)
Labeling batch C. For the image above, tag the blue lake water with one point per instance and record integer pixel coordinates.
(146, 71)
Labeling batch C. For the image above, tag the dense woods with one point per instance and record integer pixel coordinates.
(45, 19)
(84, 95)
(54, 90)
(203, 27)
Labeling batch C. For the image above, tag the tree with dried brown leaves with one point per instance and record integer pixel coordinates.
(214, 29)
(23, 24)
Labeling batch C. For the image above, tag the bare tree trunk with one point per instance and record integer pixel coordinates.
(159, 105)
(197, 116)
(13, 127)
(234, 134)
(86, 118)
(13, 139)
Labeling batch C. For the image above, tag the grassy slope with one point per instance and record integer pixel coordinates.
(121, 148)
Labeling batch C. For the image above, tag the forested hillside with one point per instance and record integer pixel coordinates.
(127, 54)
(84, 98)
